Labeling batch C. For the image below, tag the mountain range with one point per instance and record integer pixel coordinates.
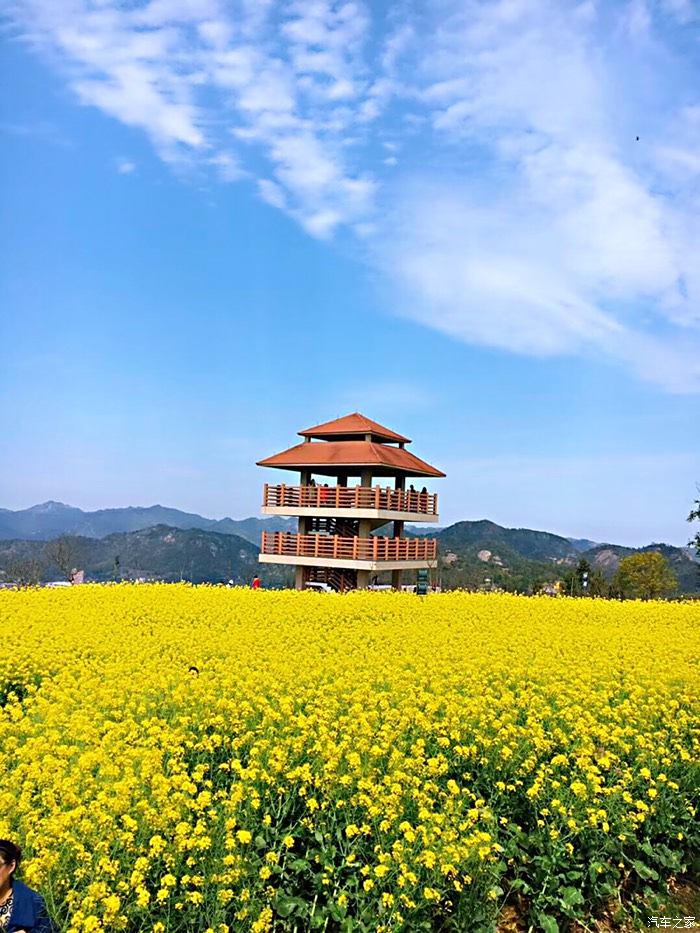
(54, 519)
(158, 553)
(167, 544)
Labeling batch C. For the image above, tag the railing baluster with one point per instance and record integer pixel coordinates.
(376, 497)
(336, 546)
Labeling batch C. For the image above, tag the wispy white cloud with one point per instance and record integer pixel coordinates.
(524, 171)
(567, 243)
(125, 166)
(228, 166)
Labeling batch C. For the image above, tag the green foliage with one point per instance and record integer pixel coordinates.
(585, 581)
(695, 517)
(644, 576)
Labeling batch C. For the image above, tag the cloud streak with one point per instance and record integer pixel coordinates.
(525, 173)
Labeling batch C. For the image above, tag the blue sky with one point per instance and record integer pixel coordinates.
(478, 223)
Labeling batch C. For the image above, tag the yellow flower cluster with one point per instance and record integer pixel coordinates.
(179, 758)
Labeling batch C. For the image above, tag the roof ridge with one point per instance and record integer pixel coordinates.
(354, 423)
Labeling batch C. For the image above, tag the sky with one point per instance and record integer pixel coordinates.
(475, 222)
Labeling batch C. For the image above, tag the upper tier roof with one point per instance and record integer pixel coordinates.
(354, 426)
(330, 457)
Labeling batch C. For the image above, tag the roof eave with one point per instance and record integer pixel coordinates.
(333, 469)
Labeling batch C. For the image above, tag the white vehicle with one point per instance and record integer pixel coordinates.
(319, 587)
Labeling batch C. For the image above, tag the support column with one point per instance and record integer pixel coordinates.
(396, 574)
(400, 484)
(304, 480)
(301, 573)
(364, 529)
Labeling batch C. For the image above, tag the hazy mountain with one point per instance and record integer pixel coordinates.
(54, 519)
(582, 544)
(251, 528)
(48, 520)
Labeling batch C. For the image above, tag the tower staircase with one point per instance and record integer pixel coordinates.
(341, 580)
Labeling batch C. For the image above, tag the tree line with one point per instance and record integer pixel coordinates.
(645, 575)
(639, 576)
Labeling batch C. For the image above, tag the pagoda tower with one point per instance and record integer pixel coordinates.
(334, 543)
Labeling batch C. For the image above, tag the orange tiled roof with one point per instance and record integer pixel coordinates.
(383, 460)
(352, 426)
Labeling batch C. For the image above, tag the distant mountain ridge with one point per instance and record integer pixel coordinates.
(478, 554)
(169, 544)
(535, 545)
(54, 519)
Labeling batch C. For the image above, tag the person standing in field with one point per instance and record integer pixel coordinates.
(21, 909)
(256, 582)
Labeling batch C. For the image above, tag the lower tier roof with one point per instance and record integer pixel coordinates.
(329, 458)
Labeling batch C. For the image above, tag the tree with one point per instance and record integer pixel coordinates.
(585, 581)
(62, 553)
(23, 571)
(578, 582)
(644, 576)
(695, 517)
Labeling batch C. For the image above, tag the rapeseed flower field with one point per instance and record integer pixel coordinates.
(180, 758)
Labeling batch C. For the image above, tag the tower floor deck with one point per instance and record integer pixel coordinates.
(374, 566)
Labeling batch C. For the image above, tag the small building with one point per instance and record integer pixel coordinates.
(334, 543)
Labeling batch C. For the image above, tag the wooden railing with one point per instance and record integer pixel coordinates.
(351, 497)
(288, 544)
